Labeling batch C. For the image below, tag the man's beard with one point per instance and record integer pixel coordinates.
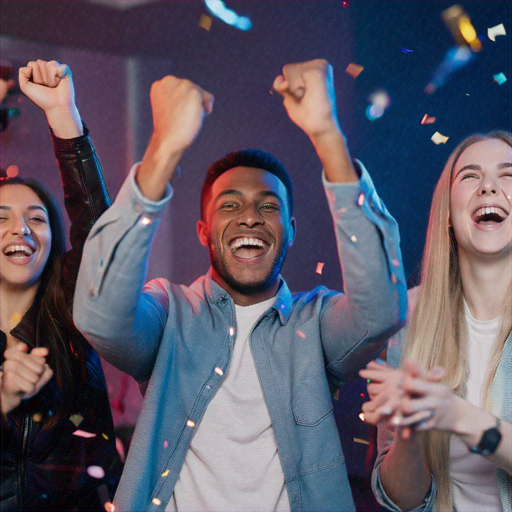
(220, 265)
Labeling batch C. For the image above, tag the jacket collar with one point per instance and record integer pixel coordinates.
(283, 303)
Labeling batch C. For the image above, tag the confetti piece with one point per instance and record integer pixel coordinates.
(345, 4)
(156, 501)
(231, 331)
(395, 262)
(498, 30)
(205, 22)
(455, 59)
(166, 444)
(166, 472)
(379, 102)
(438, 138)
(109, 506)
(82, 433)
(190, 423)
(12, 171)
(457, 21)
(354, 70)
(96, 472)
(360, 199)
(353, 238)
(76, 419)
(361, 414)
(428, 119)
(105, 437)
(361, 441)
(500, 78)
(219, 371)
(37, 417)
(319, 267)
(336, 395)
(301, 334)
(219, 10)
(405, 50)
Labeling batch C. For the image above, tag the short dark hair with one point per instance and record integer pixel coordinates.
(255, 158)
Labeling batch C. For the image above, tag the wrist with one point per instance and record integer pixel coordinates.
(65, 122)
(471, 422)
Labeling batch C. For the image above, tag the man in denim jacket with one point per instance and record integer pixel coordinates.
(237, 412)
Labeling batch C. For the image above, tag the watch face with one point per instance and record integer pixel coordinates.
(489, 443)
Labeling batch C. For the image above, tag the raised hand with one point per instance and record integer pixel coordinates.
(49, 85)
(24, 374)
(308, 96)
(179, 107)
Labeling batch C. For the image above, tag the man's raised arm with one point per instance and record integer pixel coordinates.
(123, 323)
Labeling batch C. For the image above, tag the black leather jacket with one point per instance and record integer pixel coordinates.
(48, 470)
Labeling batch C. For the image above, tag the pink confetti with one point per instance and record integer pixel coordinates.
(428, 119)
(301, 334)
(319, 267)
(354, 70)
(166, 444)
(96, 472)
(84, 434)
(109, 506)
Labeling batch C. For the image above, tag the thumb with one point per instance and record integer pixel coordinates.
(280, 85)
(24, 76)
(39, 352)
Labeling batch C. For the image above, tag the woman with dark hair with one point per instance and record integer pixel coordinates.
(58, 445)
(448, 390)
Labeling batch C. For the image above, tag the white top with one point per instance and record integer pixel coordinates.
(232, 463)
(473, 478)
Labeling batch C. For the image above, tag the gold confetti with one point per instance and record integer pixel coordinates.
(459, 24)
(105, 437)
(354, 70)
(498, 30)
(205, 22)
(336, 395)
(301, 334)
(37, 417)
(319, 267)
(219, 371)
(353, 238)
(360, 441)
(438, 138)
(190, 423)
(156, 501)
(428, 119)
(76, 419)
(166, 472)
(361, 416)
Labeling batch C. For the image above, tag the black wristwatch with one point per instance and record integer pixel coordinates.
(490, 440)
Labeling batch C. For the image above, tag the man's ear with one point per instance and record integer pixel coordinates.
(202, 232)
(292, 231)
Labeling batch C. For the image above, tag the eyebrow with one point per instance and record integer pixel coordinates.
(32, 207)
(234, 192)
(473, 167)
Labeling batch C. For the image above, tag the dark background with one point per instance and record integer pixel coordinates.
(115, 54)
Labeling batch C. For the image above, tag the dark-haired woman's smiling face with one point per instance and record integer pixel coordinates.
(25, 236)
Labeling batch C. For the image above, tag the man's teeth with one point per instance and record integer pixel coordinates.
(247, 242)
(490, 213)
(28, 251)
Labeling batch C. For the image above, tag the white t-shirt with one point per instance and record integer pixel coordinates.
(473, 478)
(232, 463)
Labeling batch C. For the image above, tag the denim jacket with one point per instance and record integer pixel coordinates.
(178, 337)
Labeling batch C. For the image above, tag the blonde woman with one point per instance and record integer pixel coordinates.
(444, 415)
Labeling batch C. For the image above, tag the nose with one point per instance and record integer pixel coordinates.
(488, 186)
(20, 228)
(250, 216)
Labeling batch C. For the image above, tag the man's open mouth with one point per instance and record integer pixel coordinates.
(248, 247)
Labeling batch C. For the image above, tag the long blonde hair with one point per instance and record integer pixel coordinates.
(436, 333)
